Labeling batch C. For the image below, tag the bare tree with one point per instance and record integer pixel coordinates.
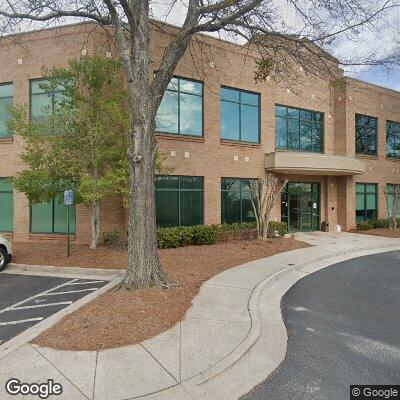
(392, 194)
(265, 192)
(261, 22)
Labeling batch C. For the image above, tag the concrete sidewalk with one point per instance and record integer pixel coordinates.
(230, 340)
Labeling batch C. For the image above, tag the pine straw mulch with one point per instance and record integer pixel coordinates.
(120, 318)
(392, 233)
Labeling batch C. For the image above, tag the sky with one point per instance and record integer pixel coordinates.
(368, 43)
(373, 43)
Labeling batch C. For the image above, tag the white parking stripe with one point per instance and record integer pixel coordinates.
(22, 321)
(37, 295)
(68, 292)
(43, 305)
(85, 283)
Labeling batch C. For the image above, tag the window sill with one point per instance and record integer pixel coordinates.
(184, 138)
(393, 159)
(51, 236)
(299, 151)
(239, 143)
(6, 139)
(368, 156)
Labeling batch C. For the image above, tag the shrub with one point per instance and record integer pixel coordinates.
(373, 223)
(365, 225)
(380, 223)
(115, 238)
(205, 234)
(280, 227)
(237, 231)
(176, 236)
(236, 226)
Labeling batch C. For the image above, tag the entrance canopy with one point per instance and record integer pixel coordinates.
(313, 164)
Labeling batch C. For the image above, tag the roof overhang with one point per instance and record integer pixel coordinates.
(313, 164)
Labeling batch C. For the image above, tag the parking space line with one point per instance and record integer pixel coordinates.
(68, 292)
(22, 321)
(37, 295)
(85, 283)
(43, 305)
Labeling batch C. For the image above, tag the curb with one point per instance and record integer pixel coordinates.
(106, 274)
(31, 333)
(253, 307)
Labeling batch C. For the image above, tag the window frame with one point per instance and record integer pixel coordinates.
(179, 77)
(376, 135)
(12, 196)
(179, 190)
(364, 193)
(31, 96)
(393, 157)
(10, 83)
(390, 194)
(287, 118)
(240, 114)
(52, 221)
(240, 191)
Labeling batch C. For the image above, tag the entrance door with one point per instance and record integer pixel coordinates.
(305, 212)
(300, 206)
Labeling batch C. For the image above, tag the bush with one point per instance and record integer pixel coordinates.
(374, 223)
(236, 227)
(365, 225)
(179, 236)
(380, 223)
(237, 231)
(204, 234)
(280, 227)
(115, 238)
(176, 236)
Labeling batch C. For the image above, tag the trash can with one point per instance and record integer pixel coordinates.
(325, 226)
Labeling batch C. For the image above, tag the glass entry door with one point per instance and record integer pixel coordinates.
(300, 206)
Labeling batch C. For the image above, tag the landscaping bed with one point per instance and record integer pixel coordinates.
(393, 233)
(378, 227)
(120, 318)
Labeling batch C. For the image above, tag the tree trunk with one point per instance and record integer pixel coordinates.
(144, 267)
(265, 228)
(95, 222)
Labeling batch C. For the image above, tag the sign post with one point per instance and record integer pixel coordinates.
(68, 201)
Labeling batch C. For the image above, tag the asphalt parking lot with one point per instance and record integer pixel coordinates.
(25, 300)
(343, 324)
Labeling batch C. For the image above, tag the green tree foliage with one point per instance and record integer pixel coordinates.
(82, 142)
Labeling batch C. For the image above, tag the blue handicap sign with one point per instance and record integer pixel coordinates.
(68, 197)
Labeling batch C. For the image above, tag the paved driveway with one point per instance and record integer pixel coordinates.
(26, 300)
(344, 328)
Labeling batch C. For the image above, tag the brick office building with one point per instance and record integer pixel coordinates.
(218, 129)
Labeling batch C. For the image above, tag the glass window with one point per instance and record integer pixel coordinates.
(366, 201)
(6, 102)
(44, 99)
(366, 134)
(240, 115)
(179, 200)
(236, 204)
(6, 205)
(298, 129)
(51, 217)
(390, 189)
(393, 139)
(181, 109)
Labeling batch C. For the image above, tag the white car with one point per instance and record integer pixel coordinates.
(5, 252)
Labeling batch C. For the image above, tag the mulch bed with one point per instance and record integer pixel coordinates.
(120, 318)
(392, 233)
